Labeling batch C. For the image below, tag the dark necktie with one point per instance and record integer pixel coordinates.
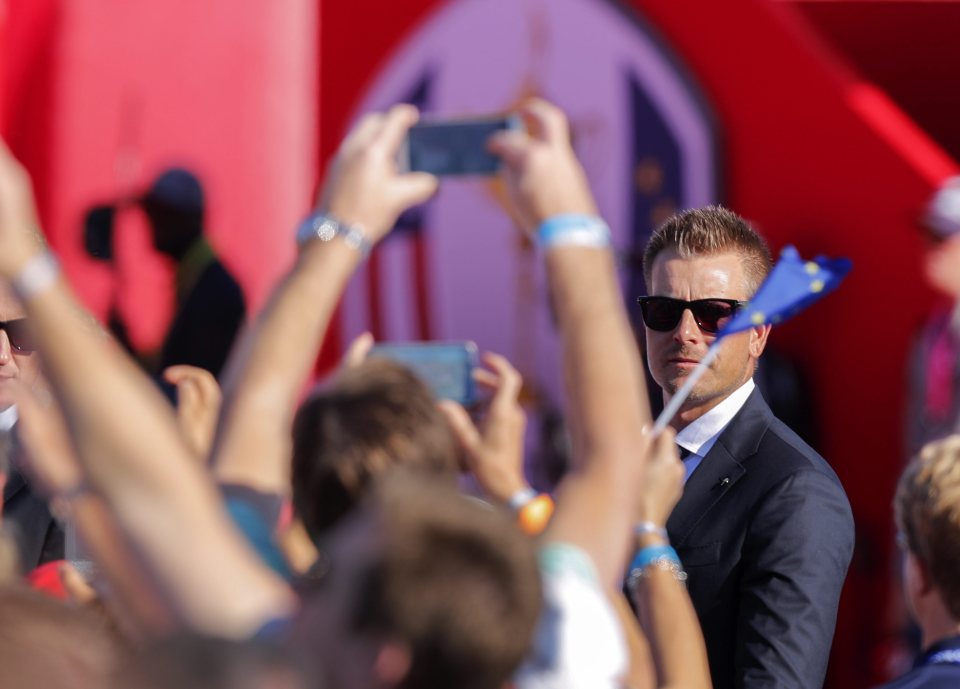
(684, 452)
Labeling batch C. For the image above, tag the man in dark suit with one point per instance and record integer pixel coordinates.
(764, 528)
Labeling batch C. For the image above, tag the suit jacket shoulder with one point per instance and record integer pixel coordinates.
(765, 532)
(769, 447)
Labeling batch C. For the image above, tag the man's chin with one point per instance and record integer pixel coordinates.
(697, 395)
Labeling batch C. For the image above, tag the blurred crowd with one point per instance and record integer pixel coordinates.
(251, 535)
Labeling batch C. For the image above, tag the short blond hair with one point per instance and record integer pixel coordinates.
(927, 506)
(707, 231)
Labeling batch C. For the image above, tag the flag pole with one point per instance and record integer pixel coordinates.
(673, 406)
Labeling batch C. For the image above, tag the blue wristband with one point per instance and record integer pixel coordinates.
(652, 553)
(574, 230)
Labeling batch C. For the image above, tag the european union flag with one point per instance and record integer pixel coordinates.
(791, 286)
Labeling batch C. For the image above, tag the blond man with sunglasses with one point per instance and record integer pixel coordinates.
(763, 528)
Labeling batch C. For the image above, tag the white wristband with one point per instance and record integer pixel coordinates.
(574, 230)
(520, 499)
(37, 275)
(651, 528)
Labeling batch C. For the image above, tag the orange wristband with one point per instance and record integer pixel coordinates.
(535, 515)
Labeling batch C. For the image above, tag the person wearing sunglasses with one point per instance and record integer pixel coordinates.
(38, 536)
(763, 528)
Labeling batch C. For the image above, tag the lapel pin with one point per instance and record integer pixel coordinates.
(725, 481)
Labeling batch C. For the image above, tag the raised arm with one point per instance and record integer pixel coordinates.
(50, 461)
(266, 373)
(127, 441)
(602, 370)
(664, 608)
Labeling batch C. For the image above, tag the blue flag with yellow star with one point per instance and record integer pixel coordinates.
(791, 286)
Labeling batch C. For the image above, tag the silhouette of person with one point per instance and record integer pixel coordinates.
(210, 306)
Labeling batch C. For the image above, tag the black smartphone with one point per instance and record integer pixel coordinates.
(98, 232)
(446, 367)
(454, 147)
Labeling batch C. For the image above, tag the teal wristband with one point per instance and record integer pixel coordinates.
(661, 557)
(574, 230)
(652, 553)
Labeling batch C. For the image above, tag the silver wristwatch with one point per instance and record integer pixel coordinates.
(325, 227)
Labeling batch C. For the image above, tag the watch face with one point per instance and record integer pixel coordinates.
(327, 230)
(316, 226)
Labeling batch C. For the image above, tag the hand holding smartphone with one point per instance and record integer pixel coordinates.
(446, 367)
(454, 147)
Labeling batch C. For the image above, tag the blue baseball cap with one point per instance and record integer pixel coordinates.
(176, 188)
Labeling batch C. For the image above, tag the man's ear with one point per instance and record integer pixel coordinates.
(392, 664)
(758, 340)
(921, 574)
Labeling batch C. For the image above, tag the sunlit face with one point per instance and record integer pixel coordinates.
(14, 365)
(673, 355)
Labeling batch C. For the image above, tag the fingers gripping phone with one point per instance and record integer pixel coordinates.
(454, 147)
(446, 367)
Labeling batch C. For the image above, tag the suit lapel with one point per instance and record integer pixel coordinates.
(721, 468)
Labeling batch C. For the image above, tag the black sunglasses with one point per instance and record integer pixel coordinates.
(663, 314)
(19, 335)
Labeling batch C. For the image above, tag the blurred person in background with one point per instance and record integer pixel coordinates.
(933, 407)
(927, 506)
(210, 306)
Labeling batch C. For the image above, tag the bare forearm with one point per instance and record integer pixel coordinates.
(608, 408)
(673, 632)
(671, 627)
(601, 363)
(266, 375)
(127, 441)
(130, 589)
(104, 397)
(640, 674)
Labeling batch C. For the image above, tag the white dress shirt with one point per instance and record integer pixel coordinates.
(699, 437)
(8, 417)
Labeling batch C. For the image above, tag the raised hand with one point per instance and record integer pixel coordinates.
(663, 482)
(543, 176)
(494, 452)
(364, 186)
(198, 405)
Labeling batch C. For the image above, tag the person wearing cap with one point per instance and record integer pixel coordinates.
(933, 410)
(210, 306)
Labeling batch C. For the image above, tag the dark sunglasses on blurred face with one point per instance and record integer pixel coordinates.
(663, 314)
(19, 335)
